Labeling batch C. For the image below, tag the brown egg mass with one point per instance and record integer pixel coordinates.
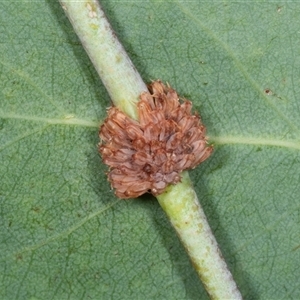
(148, 155)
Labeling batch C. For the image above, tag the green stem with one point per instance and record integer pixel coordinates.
(124, 85)
(122, 81)
(182, 207)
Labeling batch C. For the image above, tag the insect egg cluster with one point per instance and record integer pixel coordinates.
(148, 155)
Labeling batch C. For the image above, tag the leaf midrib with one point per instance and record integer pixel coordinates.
(260, 141)
(217, 140)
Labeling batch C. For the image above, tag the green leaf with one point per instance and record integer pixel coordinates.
(63, 233)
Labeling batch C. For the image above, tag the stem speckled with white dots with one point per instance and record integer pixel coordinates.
(185, 213)
(122, 81)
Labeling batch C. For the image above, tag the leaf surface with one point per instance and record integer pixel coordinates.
(63, 233)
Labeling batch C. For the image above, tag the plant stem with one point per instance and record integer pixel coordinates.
(124, 85)
(182, 207)
(122, 81)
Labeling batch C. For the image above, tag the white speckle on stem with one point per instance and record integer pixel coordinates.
(92, 13)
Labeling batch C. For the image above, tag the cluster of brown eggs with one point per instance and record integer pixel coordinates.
(148, 155)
